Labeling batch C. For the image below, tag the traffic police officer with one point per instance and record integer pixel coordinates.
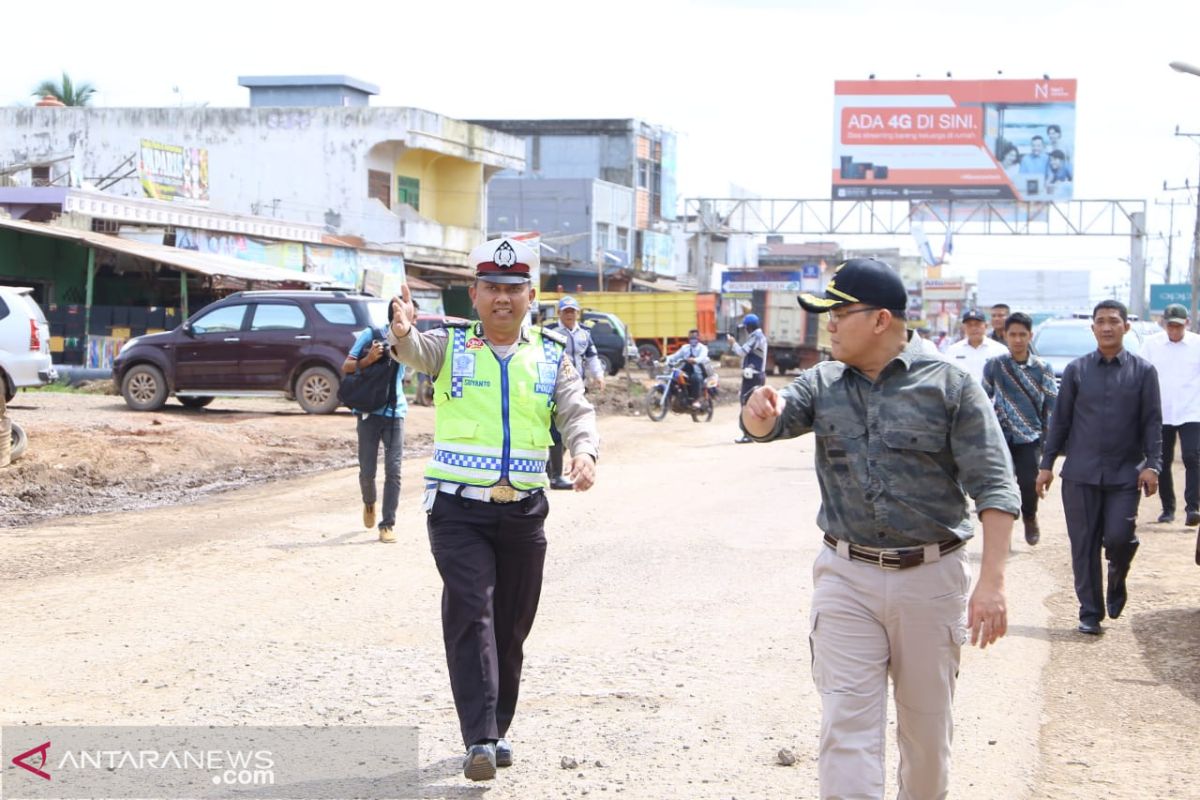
(754, 361)
(581, 350)
(498, 386)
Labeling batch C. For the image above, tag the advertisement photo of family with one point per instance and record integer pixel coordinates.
(1035, 147)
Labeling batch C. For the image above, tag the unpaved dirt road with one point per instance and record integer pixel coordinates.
(671, 644)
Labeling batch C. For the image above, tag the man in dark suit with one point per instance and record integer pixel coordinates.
(1108, 422)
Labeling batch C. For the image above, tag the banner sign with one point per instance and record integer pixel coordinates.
(954, 140)
(1164, 294)
(289, 255)
(171, 172)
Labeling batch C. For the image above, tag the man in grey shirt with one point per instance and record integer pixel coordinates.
(899, 435)
(1108, 422)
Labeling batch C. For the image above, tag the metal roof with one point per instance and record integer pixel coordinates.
(188, 260)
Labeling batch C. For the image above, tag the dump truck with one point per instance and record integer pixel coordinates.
(794, 336)
(658, 321)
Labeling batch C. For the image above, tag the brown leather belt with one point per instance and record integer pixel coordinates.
(896, 558)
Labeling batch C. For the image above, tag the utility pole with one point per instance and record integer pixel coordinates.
(1170, 226)
(1195, 273)
(1137, 265)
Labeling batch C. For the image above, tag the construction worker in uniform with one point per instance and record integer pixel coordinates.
(498, 386)
(754, 361)
(581, 350)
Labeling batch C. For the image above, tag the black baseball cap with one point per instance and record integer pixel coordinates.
(973, 314)
(860, 280)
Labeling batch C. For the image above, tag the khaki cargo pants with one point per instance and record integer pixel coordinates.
(868, 623)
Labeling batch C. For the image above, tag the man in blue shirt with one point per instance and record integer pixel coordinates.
(1035, 161)
(384, 424)
(754, 361)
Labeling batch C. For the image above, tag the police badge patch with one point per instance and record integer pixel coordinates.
(463, 365)
(505, 256)
(547, 375)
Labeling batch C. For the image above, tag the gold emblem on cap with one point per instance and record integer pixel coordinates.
(505, 256)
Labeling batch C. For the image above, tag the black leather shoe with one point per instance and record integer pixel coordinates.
(1033, 533)
(1117, 595)
(1090, 628)
(1193, 519)
(561, 483)
(1166, 516)
(480, 762)
(503, 753)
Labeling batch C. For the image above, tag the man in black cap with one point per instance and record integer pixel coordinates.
(498, 385)
(899, 436)
(975, 348)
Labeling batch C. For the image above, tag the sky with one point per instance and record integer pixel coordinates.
(746, 85)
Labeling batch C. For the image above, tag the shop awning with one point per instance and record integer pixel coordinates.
(209, 264)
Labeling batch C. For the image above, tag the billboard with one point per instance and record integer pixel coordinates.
(1036, 290)
(954, 140)
(171, 172)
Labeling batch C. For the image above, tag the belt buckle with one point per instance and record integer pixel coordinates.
(883, 564)
(503, 494)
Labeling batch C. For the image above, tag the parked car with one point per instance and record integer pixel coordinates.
(1061, 341)
(250, 344)
(24, 342)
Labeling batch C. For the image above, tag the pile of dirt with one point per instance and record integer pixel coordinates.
(89, 455)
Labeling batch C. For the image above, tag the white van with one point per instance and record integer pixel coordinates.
(24, 342)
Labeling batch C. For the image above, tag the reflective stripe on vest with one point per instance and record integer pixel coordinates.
(493, 417)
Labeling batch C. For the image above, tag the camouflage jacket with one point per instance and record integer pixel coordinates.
(893, 457)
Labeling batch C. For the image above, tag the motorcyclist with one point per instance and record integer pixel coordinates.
(694, 357)
(754, 360)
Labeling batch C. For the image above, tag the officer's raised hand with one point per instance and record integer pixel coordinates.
(406, 312)
(581, 471)
(763, 407)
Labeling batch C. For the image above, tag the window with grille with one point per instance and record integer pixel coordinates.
(408, 191)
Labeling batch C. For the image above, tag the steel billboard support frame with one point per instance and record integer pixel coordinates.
(827, 217)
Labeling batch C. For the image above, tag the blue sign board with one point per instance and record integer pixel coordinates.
(1163, 294)
(747, 280)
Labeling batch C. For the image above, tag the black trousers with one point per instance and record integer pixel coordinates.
(1099, 516)
(750, 384)
(1025, 458)
(1189, 445)
(490, 556)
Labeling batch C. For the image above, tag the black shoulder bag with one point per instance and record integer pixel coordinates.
(371, 387)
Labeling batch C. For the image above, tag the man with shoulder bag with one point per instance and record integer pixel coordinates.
(373, 389)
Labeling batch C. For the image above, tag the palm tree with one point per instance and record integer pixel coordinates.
(67, 92)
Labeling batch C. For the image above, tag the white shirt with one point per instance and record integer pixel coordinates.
(972, 359)
(1178, 365)
(925, 346)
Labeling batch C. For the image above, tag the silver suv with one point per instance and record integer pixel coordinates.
(24, 342)
(1060, 341)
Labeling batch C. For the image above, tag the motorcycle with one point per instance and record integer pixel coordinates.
(670, 393)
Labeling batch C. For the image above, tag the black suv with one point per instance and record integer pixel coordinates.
(608, 334)
(250, 344)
